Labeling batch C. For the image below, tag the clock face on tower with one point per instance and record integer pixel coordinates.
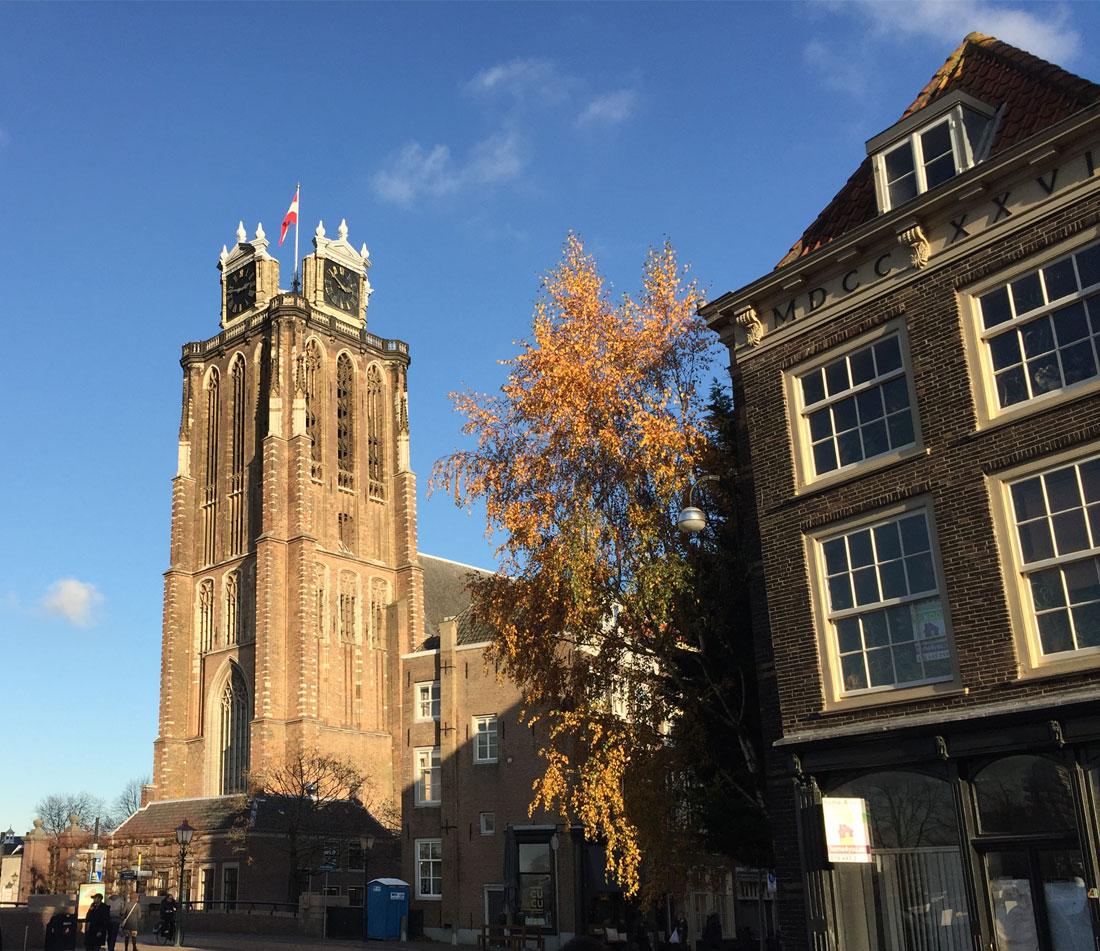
(240, 290)
(341, 287)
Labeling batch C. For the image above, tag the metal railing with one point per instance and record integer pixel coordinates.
(241, 907)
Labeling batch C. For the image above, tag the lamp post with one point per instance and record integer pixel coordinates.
(692, 520)
(366, 843)
(5, 840)
(184, 832)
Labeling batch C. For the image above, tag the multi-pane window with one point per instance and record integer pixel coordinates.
(884, 607)
(857, 406)
(426, 775)
(1057, 518)
(486, 739)
(427, 701)
(429, 868)
(930, 155)
(1041, 329)
(921, 162)
(375, 405)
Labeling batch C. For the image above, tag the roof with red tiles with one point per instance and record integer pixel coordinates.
(1034, 94)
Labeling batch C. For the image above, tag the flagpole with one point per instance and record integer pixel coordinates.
(297, 218)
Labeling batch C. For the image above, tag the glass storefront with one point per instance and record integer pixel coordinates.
(994, 849)
(912, 894)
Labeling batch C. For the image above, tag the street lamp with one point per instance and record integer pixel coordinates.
(366, 843)
(184, 832)
(692, 520)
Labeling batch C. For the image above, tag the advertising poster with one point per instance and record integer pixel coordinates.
(847, 829)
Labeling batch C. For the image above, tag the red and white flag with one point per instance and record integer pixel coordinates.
(291, 215)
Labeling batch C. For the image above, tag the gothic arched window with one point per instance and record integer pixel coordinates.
(232, 608)
(311, 384)
(234, 721)
(210, 494)
(236, 458)
(206, 614)
(345, 432)
(375, 485)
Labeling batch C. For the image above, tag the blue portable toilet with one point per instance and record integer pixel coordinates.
(387, 904)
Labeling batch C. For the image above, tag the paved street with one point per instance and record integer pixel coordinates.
(241, 942)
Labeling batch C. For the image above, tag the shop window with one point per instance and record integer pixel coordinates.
(1020, 794)
(429, 868)
(1038, 332)
(884, 612)
(536, 898)
(854, 407)
(1056, 517)
(912, 893)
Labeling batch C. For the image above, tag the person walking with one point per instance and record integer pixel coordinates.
(114, 919)
(131, 924)
(95, 924)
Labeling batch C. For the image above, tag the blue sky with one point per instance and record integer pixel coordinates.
(461, 142)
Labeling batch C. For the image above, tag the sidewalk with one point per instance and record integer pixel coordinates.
(294, 942)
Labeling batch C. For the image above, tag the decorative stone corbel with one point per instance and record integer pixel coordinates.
(919, 248)
(750, 323)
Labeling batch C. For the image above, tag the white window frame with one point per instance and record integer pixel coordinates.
(977, 337)
(426, 763)
(487, 822)
(965, 153)
(435, 870)
(1031, 661)
(489, 751)
(806, 477)
(835, 694)
(426, 700)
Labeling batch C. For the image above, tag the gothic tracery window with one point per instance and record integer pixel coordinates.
(210, 494)
(345, 431)
(232, 607)
(236, 458)
(206, 614)
(375, 483)
(312, 387)
(233, 734)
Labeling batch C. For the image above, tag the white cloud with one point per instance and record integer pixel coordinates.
(536, 80)
(417, 172)
(1042, 29)
(74, 601)
(609, 108)
(846, 74)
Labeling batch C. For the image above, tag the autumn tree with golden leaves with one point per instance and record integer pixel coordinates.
(582, 460)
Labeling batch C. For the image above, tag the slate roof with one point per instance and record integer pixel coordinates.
(1034, 94)
(220, 813)
(446, 595)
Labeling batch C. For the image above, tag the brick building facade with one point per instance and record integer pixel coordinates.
(918, 386)
(299, 615)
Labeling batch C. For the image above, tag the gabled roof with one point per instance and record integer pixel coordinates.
(446, 594)
(1034, 95)
(213, 814)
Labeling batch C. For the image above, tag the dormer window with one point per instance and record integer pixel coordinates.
(929, 147)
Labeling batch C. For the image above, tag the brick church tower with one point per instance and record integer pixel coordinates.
(294, 584)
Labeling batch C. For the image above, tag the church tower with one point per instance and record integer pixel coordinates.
(294, 585)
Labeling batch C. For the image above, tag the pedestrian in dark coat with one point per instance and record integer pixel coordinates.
(96, 922)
